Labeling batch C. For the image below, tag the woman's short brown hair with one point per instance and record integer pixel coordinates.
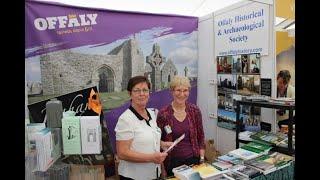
(285, 75)
(136, 80)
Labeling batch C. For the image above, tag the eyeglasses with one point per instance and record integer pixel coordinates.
(182, 90)
(136, 91)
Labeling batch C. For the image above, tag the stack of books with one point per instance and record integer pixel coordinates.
(44, 144)
(222, 165)
(284, 143)
(257, 147)
(268, 137)
(283, 100)
(244, 154)
(185, 172)
(233, 175)
(270, 162)
(260, 164)
(246, 171)
(33, 128)
(245, 135)
(230, 159)
(258, 98)
(206, 171)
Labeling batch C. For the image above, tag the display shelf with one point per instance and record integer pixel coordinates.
(265, 104)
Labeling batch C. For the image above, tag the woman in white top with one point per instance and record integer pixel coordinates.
(138, 136)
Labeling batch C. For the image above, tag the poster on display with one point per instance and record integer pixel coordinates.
(244, 30)
(238, 75)
(266, 84)
(72, 48)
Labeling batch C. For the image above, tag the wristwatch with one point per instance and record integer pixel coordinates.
(201, 159)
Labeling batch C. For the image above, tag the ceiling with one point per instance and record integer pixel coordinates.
(196, 8)
(285, 20)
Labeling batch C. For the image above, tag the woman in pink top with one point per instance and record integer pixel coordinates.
(178, 118)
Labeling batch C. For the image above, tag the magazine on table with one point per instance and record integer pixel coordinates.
(246, 171)
(233, 175)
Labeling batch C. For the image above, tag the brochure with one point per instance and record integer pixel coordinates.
(175, 143)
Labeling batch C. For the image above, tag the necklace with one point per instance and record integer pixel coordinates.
(176, 111)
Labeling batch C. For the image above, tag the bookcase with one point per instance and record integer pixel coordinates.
(265, 104)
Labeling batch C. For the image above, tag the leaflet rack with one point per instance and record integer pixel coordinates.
(274, 105)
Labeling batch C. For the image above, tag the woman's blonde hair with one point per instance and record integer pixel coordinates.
(179, 81)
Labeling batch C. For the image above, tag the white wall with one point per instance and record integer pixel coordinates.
(206, 92)
(207, 76)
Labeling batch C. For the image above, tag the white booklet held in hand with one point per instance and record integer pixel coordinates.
(174, 143)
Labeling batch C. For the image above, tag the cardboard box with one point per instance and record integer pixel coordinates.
(86, 172)
(210, 152)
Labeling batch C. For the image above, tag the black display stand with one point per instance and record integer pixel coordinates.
(289, 150)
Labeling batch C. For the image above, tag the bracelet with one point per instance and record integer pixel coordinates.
(202, 157)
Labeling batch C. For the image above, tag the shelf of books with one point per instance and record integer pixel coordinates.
(250, 161)
(283, 142)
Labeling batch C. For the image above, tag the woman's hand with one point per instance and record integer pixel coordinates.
(159, 157)
(165, 144)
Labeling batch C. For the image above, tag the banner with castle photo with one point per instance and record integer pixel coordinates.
(72, 48)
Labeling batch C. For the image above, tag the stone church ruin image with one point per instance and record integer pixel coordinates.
(66, 71)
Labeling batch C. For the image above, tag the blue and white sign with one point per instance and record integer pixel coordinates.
(244, 30)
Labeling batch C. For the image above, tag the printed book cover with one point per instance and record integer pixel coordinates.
(33, 128)
(44, 145)
(259, 134)
(247, 171)
(185, 172)
(71, 137)
(244, 154)
(260, 163)
(230, 159)
(256, 147)
(268, 137)
(90, 134)
(270, 163)
(235, 176)
(206, 170)
(279, 159)
(221, 165)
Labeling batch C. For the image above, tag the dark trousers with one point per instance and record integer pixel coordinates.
(175, 162)
(124, 178)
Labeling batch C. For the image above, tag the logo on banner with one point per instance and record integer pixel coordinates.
(77, 23)
(80, 102)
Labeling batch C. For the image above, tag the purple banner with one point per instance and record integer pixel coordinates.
(51, 27)
(72, 48)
